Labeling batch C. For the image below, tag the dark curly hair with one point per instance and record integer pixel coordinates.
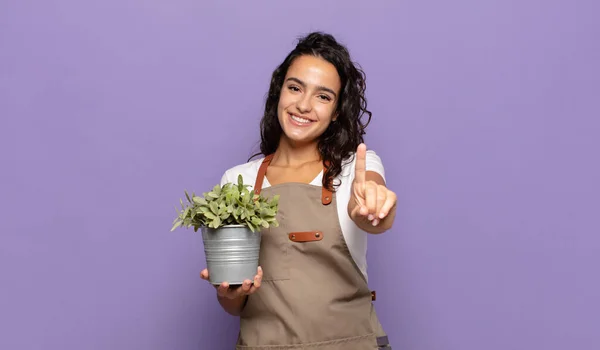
(343, 136)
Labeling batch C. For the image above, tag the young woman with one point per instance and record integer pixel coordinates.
(311, 288)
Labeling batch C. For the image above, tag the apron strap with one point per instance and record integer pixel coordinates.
(261, 173)
(326, 194)
(383, 343)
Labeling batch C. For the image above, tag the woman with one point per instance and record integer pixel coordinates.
(311, 288)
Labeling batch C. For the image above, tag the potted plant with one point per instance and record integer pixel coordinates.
(231, 218)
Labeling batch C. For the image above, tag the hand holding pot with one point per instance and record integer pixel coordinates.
(247, 288)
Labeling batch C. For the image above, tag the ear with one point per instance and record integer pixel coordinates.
(335, 116)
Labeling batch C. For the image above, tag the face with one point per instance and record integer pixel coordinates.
(308, 99)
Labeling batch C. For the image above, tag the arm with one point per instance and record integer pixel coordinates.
(234, 300)
(232, 306)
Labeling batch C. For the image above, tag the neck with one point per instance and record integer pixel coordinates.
(293, 154)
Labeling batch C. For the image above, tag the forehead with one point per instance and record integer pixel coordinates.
(314, 71)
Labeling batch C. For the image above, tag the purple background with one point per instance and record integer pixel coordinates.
(485, 115)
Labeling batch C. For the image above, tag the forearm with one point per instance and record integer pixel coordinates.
(232, 306)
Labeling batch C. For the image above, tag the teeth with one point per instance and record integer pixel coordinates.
(300, 120)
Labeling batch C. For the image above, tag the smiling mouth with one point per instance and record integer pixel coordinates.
(299, 120)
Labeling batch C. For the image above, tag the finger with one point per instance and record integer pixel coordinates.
(359, 212)
(381, 198)
(204, 274)
(363, 211)
(356, 212)
(360, 172)
(223, 289)
(390, 202)
(245, 288)
(371, 199)
(360, 205)
(257, 281)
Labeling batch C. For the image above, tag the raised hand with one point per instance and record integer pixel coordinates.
(246, 288)
(370, 200)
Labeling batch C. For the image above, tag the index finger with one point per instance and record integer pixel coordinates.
(361, 164)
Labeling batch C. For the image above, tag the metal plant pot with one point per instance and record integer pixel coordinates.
(231, 253)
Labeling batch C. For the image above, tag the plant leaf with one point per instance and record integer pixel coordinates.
(214, 207)
(228, 204)
(199, 200)
(177, 224)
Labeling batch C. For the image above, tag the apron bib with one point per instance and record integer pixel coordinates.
(312, 295)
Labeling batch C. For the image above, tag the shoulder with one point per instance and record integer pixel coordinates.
(373, 160)
(247, 170)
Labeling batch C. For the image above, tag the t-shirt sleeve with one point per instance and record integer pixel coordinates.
(224, 179)
(374, 163)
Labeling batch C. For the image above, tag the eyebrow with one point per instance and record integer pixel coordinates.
(320, 87)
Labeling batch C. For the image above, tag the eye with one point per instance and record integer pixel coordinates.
(293, 88)
(325, 97)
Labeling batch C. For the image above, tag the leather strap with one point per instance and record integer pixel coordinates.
(308, 236)
(326, 195)
(383, 343)
(261, 174)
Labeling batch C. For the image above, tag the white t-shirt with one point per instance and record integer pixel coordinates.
(355, 238)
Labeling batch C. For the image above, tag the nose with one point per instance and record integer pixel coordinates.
(303, 104)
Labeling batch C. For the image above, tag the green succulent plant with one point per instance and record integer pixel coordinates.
(229, 204)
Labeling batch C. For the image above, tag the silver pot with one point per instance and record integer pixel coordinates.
(231, 253)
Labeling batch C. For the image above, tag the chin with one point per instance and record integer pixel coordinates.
(298, 141)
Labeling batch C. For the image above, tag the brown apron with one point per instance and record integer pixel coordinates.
(312, 296)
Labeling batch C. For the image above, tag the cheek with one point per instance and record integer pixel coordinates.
(282, 104)
(285, 97)
(326, 112)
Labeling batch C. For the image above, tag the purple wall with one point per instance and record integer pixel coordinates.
(485, 115)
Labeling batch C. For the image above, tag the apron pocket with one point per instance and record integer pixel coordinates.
(274, 255)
